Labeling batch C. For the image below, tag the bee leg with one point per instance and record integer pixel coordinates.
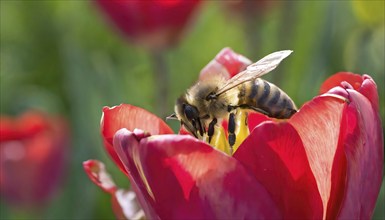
(244, 106)
(231, 130)
(230, 108)
(188, 129)
(254, 109)
(210, 130)
(200, 128)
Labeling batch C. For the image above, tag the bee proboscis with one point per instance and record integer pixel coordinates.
(209, 101)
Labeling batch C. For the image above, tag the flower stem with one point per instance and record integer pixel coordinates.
(251, 29)
(161, 81)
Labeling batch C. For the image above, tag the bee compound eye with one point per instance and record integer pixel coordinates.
(190, 112)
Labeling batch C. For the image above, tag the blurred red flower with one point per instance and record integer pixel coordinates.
(249, 8)
(153, 24)
(324, 162)
(33, 151)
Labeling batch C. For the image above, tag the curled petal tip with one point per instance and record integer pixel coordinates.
(340, 97)
(125, 205)
(141, 134)
(232, 61)
(88, 163)
(366, 76)
(106, 108)
(97, 173)
(346, 85)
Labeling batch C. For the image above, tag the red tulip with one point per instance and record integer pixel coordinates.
(324, 162)
(33, 150)
(154, 24)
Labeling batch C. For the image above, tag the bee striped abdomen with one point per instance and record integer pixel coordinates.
(267, 97)
(242, 93)
(263, 93)
(275, 94)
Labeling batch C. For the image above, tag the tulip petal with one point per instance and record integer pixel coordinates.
(369, 90)
(124, 202)
(182, 177)
(96, 171)
(364, 84)
(335, 80)
(125, 206)
(130, 117)
(226, 64)
(255, 119)
(233, 62)
(362, 140)
(122, 139)
(318, 124)
(359, 154)
(214, 70)
(277, 158)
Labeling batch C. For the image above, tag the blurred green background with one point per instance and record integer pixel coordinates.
(63, 57)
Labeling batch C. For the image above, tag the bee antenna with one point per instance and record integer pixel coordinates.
(172, 117)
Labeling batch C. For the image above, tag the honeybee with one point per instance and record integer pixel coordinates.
(211, 100)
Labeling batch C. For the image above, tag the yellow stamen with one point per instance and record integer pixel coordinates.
(241, 129)
(219, 140)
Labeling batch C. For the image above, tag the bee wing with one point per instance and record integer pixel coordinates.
(255, 70)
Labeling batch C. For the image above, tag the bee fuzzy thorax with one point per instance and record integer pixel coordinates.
(198, 95)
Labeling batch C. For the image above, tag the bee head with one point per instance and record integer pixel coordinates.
(189, 117)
